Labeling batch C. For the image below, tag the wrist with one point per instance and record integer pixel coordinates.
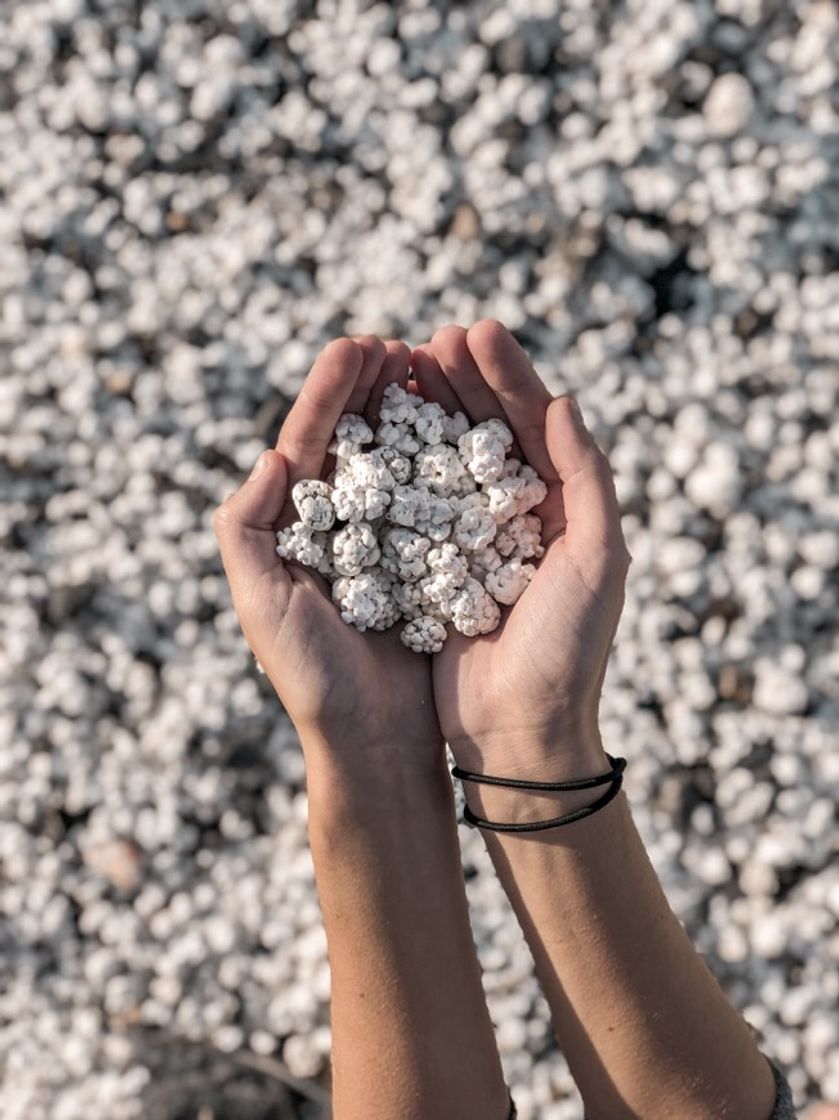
(540, 758)
(361, 784)
(558, 752)
(365, 752)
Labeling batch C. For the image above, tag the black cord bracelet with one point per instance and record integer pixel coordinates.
(614, 777)
(618, 767)
(554, 822)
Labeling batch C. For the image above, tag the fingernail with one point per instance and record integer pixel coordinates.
(259, 466)
(576, 412)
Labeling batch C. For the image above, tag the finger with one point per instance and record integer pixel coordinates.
(448, 345)
(592, 514)
(523, 396)
(394, 368)
(432, 383)
(245, 528)
(374, 352)
(310, 425)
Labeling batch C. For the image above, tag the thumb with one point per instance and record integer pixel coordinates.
(245, 526)
(592, 515)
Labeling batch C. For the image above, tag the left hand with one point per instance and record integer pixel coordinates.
(522, 700)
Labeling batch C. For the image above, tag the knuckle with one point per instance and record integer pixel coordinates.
(221, 518)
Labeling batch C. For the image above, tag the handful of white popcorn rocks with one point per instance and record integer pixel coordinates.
(425, 520)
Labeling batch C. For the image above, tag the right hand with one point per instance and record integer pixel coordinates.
(351, 695)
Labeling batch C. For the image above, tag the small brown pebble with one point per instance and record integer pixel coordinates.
(119, 861)
(176, 221)
(466, 223)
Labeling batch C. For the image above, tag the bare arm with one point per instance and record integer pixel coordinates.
(412, 1036)
(644, 1025)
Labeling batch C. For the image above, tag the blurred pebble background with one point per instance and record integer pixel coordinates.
(195, 196)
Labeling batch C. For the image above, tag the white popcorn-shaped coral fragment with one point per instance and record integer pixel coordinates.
(404, 553)
(440, 467)
(474, 528)
(408, 598)
(507, 583)
(474, 611)
(351, 433)
(434, 519)
(449, 571)
(504, 496)
(430, 423)
(535, 490)
(400, 436)
(483, 449)
(366, 469)
(424, 634)
(301, 543)
(313, 502)
(365, 600)
(354, 547)
(398, 465)
(521, 537)
(435, 529)
(409, 503)
(359, 503)
(484, 560)
(399, 406)
(454, 427)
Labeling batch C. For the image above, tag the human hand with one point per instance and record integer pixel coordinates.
(348, 693)
(523, 699)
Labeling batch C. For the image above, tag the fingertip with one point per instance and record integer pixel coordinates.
(345, 351)
(270, 462)
(447, 339)
(395, 347)
(486, 332)
(373, 351)
(369, 342)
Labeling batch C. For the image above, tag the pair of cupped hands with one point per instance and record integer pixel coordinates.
(521, 701)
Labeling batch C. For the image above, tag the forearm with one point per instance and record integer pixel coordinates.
(411, 1035)
(645, 1027)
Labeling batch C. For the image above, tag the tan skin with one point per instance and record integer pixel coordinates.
(411, 1035)
(644, 1026)
(542, 669)
(323, 670)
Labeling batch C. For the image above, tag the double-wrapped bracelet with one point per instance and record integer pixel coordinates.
(613, 777)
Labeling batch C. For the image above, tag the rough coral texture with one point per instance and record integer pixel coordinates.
(432, 531)
(193, 204)
(313, 501)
